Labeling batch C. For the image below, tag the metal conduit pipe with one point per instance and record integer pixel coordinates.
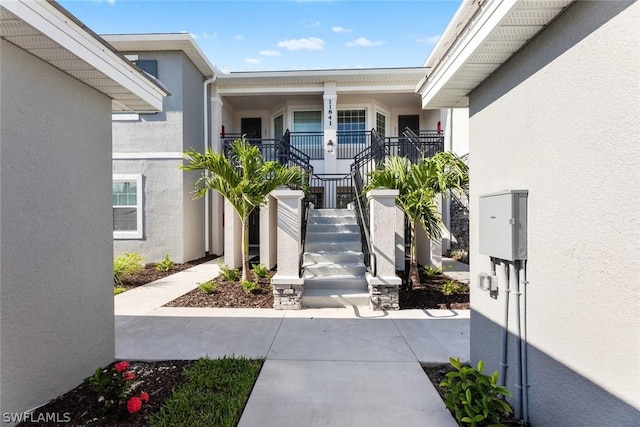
(523, 345)
(207, 208)
(505, 328)
(517, 349)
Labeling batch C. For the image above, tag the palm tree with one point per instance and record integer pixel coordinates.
(244, 178)
(419, 184)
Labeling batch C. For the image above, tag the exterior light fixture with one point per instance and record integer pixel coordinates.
(330, 146)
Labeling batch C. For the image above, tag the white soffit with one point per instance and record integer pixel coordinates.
(163, 42)
(482, 36)
(49, 32)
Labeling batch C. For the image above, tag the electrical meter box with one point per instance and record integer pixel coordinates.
(503, 224)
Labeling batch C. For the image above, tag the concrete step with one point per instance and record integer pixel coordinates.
(332, 213)
(328, 270)
(321, 220)
(333, 247)
(332, 236)
(334, 298)
(333, 257)
(343, 281)
(333, 227)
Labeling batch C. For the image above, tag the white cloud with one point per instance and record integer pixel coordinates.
(111, 2)
(239, 37)
(209, 36)
(429, 39)
(252, 60)
(340, 30)
(269, 53)
(361, 41)
(311, 43)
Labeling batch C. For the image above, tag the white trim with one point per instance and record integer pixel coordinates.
(165, 155)
(466, 45)
(125, 117)
(52, 23)
(280, 90)
(137, 234)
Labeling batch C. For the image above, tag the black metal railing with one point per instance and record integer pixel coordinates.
(331, 191)
(310, 143)
(351, 143)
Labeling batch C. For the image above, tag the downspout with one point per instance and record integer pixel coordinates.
(207, 146)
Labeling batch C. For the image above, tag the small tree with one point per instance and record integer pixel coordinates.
(419, 184)
(244, 179)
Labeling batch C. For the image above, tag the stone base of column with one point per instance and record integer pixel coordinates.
(384, 292)
(287, 292)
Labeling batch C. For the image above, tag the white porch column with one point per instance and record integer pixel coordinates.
(330, 123)
(216, 200)
(268, 232)
(232, 237)
(384, 287)
(287, 283)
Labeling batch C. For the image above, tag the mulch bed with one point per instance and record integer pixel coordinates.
(229, 295)
(80, 406)
(149, 273)
(428, 294)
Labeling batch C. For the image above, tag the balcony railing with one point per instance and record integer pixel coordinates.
(310, 143)
(351, 143)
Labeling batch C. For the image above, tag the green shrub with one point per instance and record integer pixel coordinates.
(473, 397)
(207, 287)
(229, 274)
(117, 290)
(165, 265)
(451, 287)
(249, 286)
(431, 271)
(260, 270)
(126, 264)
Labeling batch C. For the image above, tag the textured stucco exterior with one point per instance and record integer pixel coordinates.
(560, 119)
(56, 301)
(173, 221)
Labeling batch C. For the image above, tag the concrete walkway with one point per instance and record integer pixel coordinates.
(324, 367)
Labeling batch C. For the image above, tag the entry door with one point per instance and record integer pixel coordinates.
(406, 148)
(251, 126)
(411, 122)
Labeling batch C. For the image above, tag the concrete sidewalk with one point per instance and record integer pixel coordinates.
(324, 367)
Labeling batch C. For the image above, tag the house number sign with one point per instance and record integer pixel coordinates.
(330, 116)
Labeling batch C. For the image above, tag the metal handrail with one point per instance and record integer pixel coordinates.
(364, 226)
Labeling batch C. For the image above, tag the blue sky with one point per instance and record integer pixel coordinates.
(263, 35)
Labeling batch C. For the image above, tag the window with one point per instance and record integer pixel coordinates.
(307, 133)
(351, 126)
(127, 206)
(278, 127)
(149, 66)
(307, 121)
(344, 196)
(381, 124)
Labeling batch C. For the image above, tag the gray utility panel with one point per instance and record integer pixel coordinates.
(503, 224)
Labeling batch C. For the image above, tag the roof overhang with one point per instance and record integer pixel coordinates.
(481, 37)
(48, 31)
(389, 80)
(164, 42)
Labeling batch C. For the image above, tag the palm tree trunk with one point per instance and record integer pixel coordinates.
(414, 277)
(246, 272)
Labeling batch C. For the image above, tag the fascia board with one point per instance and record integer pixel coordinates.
(278, 90)
(399, 88)
(466, 45)
(61, 29)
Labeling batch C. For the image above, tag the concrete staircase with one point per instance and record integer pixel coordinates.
(333, 261)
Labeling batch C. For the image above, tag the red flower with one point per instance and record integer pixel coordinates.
(134, 404)
(128, 376)
(144, 396)
(121, 366)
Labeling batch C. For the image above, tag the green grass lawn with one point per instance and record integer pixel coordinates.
(214, 394)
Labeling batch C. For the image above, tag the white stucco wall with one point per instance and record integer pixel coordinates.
(561, 120)
(56, 300)
(173, 221)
